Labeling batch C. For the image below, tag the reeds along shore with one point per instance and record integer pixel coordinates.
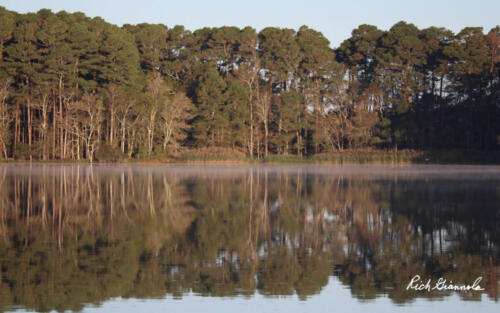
(349, 156)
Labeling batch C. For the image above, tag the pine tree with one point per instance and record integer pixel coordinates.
(211, 117)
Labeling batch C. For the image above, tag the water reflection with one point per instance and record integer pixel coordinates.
(73, 235)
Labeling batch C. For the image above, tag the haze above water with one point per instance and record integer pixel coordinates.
(138, 238)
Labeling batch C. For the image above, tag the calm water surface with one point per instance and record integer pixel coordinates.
(122, 238)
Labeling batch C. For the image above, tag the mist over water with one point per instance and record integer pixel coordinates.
(271, 238)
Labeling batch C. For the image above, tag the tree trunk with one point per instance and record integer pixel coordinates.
(150, 142)
(78, 148)
(44, 127)
(65, 143)
(298, 143)
(61, 130)
(111, 124)
(54, 126)
(17, 126)
(251, 134)
(28, 112)
(280, 148)
(266, 138)
(123, 139)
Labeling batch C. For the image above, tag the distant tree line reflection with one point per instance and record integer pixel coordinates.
(73, 235)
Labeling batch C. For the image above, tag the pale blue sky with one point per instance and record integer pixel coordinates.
(335, 19)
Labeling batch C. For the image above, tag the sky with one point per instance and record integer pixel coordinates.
(335, 19)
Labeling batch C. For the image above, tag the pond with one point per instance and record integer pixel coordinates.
(244, 238)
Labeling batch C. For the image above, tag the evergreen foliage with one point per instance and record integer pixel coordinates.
(70, 84)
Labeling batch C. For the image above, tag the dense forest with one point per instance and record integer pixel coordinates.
(74, 87)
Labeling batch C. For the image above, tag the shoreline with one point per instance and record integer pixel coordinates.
(345, 157)
(236, 163)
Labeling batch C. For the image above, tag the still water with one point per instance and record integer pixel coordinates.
(119, 238)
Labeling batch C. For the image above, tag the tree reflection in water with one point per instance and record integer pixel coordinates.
(72, 235)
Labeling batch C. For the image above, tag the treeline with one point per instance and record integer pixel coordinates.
(74, 87)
